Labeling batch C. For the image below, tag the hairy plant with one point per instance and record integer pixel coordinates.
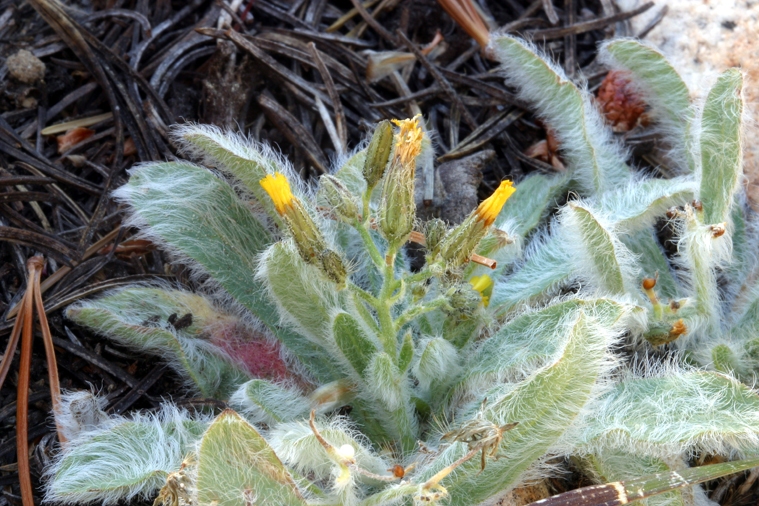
(463, 381)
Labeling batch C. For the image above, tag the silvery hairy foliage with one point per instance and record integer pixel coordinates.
(463, 381)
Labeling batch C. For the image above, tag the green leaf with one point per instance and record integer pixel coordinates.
(598, 254)
(137, 317)
(529, 341)
(683, 412)
(407, 352)
(303, 299)
(127, 458)
(661, 88)
(596, 162)
(245, 160)
(351, 175)
(617, 466)
(720, 140)
(263, 401)
(651, 261)
(625, 492)
(237, 467)
(353, 342)
(533, 199)
(391, 395)
(547, 267)
(439, 365)
(201, 220)
(636, 206)
(545, 404)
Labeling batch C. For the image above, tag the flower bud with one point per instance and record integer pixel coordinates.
(306, 235)
(461, 242)
(334, 267)
(340, 200)
(397, 207)
(434, 232)
(463, 300)
(378, 153)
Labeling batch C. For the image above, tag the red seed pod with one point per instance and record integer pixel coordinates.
(619, 102)
(649, 283)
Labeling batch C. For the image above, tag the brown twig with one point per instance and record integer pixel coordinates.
(442, 81)
(586, 26)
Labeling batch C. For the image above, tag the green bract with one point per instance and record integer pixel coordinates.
(309, 304)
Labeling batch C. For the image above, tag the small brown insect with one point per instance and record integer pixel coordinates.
(180, 323)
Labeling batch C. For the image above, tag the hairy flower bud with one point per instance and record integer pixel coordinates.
(397, 207)
(306, 235)
(434, 232)
(378, 153)
(334, 267)
(340, 200)
(460, 243)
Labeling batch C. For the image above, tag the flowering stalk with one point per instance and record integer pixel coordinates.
(459, 245)
(304, 232)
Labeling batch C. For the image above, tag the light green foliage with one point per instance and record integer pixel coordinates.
(597, 250)
(123, 458)
(720, 142)
(661, 87)
(611, 465)
(645, 415)
(466, 386)
(271, 403)
(139, 317)
(597, 163)
(237, 467)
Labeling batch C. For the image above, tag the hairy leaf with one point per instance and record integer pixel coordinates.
(126, 458)
(680, 412)
(545, 404)
(237, 467)
(201, 220)
(598, 255)
(596, 161)
(720, 140)
(137, 317)
(660, 86)
(263, 401)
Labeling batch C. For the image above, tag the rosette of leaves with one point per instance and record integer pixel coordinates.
(462, 380)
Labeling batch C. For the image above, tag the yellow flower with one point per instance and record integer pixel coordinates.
(408, 143)
(489, 208)
(279, 190)
(484, 285)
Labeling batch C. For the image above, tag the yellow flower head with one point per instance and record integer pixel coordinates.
(484, 285)
(408, 142)
(488, 210)
(279, 190)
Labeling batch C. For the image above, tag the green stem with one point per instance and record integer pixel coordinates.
(374, 253)
(422, 275)
(388, 332)
(366, 198)
(412, 313)
(364, 296)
